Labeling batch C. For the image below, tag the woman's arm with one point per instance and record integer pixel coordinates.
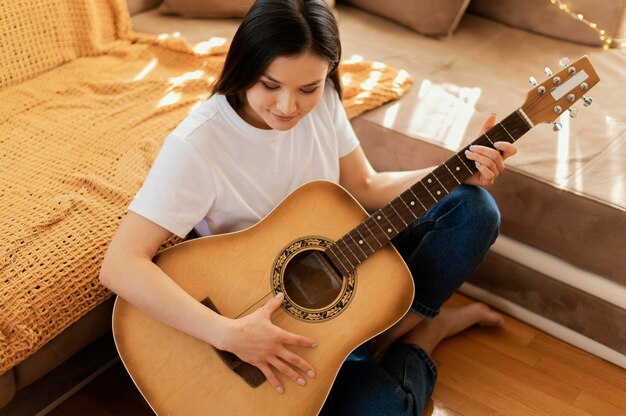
(128, 270)
(374, 189)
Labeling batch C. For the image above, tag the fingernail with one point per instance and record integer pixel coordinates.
(494, 115)
(279, 295)
(467, 153)
(301, 381)
(497, 145)
(310, 373)
(472, 148)
(477, 164)
(280, 390)
(314, 345)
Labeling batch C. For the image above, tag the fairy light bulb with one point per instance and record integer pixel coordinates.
(607, 41)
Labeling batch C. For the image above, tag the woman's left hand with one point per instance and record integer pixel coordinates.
(490, 162)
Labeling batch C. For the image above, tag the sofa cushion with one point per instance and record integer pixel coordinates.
(573, 20)
(430, 18)
(211, 8)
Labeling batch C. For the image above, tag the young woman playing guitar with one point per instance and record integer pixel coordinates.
(276, 121)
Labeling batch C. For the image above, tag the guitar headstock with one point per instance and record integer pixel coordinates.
(549, 100)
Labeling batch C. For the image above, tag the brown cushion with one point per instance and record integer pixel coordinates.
(430, 18)
(211, 8)
(544, 17)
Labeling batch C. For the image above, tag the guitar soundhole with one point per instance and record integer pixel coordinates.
(311, 281)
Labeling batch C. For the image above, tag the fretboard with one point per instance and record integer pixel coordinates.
(390, 220)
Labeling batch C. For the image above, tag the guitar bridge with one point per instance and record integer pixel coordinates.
(249, 373)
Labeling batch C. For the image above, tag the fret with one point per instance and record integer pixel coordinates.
(418, 200)
(390, 214)
(482, 140)
(365, 239)
(525, 118)
(357, 244)
(444, 188)
(507, 132)
(384, 234)
(372, 233)
(398, 214)
(379, 218)
(351, 252)
(407, 207)
(447, 179)
(458, 155)
(490, 141)
(425, 187)
(451, 173)
(336, 245)
(336, 260)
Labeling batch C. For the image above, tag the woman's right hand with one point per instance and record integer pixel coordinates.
(256, 340)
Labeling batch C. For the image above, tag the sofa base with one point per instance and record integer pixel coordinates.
(579, 317)
(61, 364)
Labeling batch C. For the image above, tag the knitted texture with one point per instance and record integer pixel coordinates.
(85, 104)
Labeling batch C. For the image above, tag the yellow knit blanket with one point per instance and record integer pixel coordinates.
(85, 104)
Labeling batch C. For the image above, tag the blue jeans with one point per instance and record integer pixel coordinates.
(441, 248)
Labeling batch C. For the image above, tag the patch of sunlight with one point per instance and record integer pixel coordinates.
(442, 112)
(401, 77)
(371, 81)
(204, 47)
(354, 59)
(438, 411)
(562, 153)
(424, 88)
(617, 163)
(164, 36)
(390, 115)
(378, 65)
(176, 81)
(169, 99)
(146, 70)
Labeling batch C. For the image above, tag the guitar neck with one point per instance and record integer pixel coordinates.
(394, 217)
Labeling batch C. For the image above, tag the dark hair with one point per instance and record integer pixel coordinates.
(275, 28)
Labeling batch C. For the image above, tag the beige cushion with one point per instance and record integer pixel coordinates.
(430, 18)
(211, 8)
(542, 16)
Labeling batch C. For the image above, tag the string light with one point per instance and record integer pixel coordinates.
(607, 41)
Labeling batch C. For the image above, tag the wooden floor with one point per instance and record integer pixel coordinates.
(515, 370)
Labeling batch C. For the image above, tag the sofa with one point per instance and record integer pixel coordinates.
(559, 261)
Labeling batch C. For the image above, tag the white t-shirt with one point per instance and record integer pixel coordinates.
(217, 173)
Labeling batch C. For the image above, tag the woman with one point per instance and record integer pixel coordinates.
(275, 122)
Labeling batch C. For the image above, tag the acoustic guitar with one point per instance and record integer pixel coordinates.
(343, 282)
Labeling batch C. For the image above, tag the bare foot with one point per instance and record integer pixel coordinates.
(449, 322)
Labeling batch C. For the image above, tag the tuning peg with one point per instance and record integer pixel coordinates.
(573, 113)
(587, 101)
(547, 71)
(563, 62)
(532, 81)
(556, 126)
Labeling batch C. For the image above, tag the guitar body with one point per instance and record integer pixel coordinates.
(181, 375)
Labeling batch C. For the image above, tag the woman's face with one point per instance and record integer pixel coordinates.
(288, 90)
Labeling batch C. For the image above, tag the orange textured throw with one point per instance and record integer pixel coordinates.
(85, 104)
